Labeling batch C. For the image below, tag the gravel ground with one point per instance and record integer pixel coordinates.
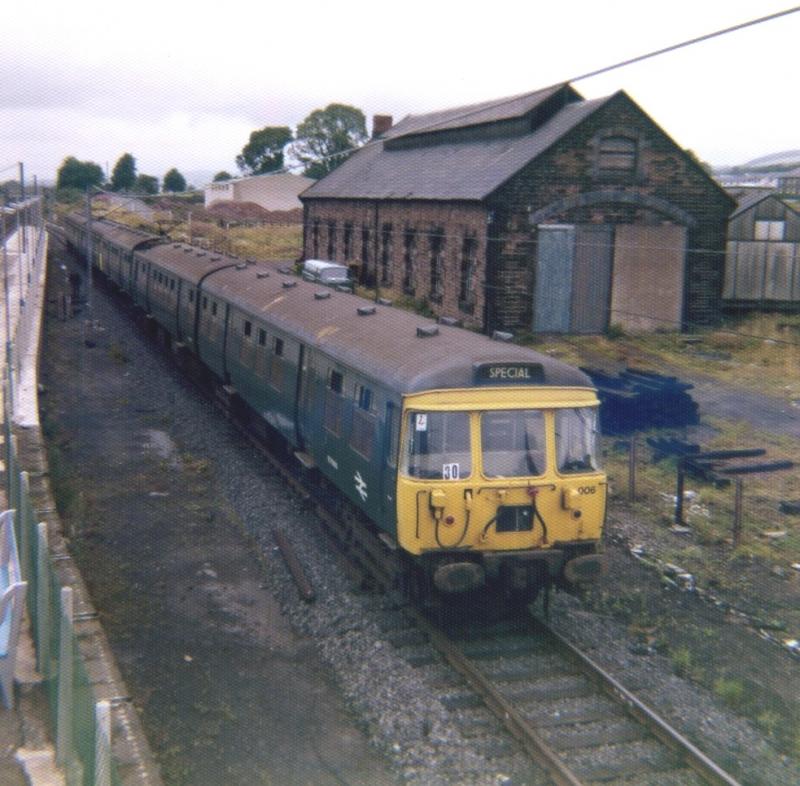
(403, 712)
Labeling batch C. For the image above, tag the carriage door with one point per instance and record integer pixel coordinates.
(553, 278)
(591, 278)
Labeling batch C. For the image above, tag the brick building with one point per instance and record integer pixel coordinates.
(542, 212)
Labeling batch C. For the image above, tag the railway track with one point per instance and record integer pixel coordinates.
(572, 719)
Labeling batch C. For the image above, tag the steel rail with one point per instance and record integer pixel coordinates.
(508, 715)
(531, 741)
(673, 739)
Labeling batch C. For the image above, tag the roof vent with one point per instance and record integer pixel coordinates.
(289, 284)
(287, 271)
(322, 295)
(500, 335)
(176, 245)
(343, 288)
(427, 331)
(215, 259)
(240, 266)
(188, 250)
(451, 321)
(365, 311)
(262, 274)
(384, 301)
(201, 253)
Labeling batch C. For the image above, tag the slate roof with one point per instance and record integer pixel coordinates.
(452, 170)
(477, 114)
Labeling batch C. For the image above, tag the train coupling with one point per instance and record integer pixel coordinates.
(586, 569)
(459, 576)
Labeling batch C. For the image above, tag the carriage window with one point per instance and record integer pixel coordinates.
(576, 439)
(334, 403)
(437, 446)
(191, 296)
(513, 443)
(214, 308)
(262, 337)
(276, 363)
(364, 398)
(205, 302)
(248, 327)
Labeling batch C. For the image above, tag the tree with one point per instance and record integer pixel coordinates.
(123, 178)
(174, 181)
(146, 184)
(79, 174)
(221, 176)
(264, 152)
(327, 136)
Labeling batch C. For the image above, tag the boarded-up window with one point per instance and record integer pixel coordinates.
(616, 154)
(466, 289)
(436, 241)
(409, 253)
(386, 254)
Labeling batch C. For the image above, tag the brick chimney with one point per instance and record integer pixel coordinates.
(380, 125)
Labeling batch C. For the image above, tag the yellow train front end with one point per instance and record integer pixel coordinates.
(501, 485)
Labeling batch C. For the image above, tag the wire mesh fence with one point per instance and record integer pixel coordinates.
(79, 723)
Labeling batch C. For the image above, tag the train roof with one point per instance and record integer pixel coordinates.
(191, 263)
(397, 348)
(120, 234)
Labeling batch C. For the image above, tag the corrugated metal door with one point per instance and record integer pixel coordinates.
(591, 278)
(553, 283)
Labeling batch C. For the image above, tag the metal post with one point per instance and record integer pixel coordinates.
(6, 290)
(737, 511)
(632, 469)
(22, 199)
(25, 525)
(20, 233)
(42, 603)
(679, 494)
(102, 743)
(65, 680)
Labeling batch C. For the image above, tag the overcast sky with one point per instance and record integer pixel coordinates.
(183, 84)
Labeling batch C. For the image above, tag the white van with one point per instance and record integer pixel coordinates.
(329, 273)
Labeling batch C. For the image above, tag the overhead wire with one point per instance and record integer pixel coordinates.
(478, 108)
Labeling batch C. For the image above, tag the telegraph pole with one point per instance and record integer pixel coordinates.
(22, 200)
(9, 358)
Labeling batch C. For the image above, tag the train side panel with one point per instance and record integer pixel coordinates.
(263, 364)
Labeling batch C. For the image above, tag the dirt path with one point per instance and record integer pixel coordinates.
(229, 694)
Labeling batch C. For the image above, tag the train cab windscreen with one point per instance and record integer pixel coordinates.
(437, 446)
(576, 440)
(513, 443)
